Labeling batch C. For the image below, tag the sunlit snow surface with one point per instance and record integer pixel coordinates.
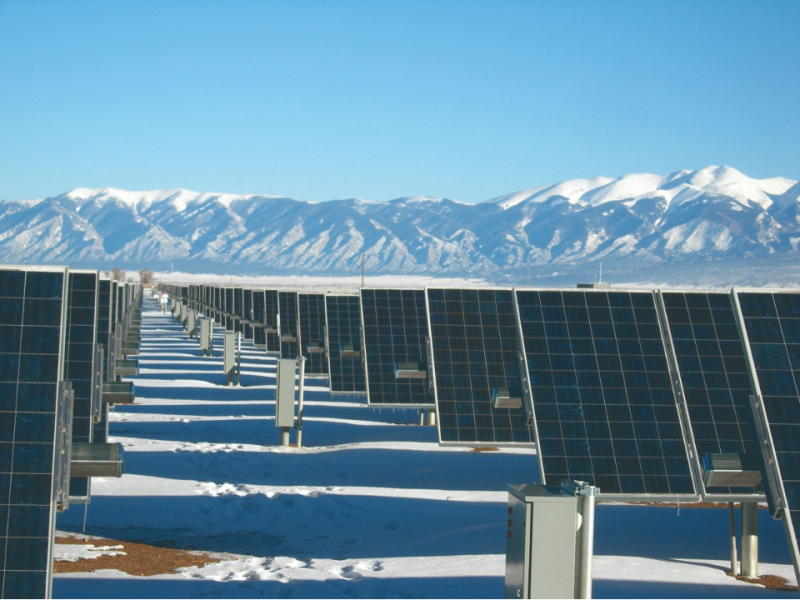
(372, 507)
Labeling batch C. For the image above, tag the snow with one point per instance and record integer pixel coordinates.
(371, 506)
(74, 552)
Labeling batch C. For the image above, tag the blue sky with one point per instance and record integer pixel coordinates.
(379, 99)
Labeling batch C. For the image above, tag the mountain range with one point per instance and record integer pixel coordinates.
(640, 220)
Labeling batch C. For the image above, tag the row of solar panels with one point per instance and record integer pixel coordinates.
(640, 392)
(61, 351)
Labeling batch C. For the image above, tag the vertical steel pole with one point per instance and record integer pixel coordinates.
(300, 402)
(749, 539)
(732, 528)
(587, 542)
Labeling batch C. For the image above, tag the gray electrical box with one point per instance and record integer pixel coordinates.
(228, 355)
(184, 315)
(284, 392)
(191, 323)
(206, 339)
(541, 542)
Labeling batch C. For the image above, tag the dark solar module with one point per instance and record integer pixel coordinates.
(345, 358)
(312, 333)
(602, 392)
(713, 374)
(31, 343)
(772, 323)
(395, 330)
(476, 363)
(259, 335)
(79, 360)
(271, 320)
(289, 334)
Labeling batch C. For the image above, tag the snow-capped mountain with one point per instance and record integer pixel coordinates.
(681, 218)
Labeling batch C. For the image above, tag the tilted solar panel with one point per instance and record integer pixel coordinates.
(248, 314)
(259, 335)
(312, 333)
(82, 294)
(772, 327)
(271, 311)
(712, 375)
(32, 332)
(395, 333)
(289, 334)
(343, 318)
(100, 429)
(476, 365)
(602, 393)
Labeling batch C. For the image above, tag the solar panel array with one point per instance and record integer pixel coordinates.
(345, 355)
(31, 344)
(289, 334)
(476, 351)
(605, 408)
(100, 431)
(79, 361)
(259, 335)
(713, 375)
(772, 324)
(395, 332)
(312, 333)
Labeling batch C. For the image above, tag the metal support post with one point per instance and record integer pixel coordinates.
(302, 360)
(749, 539)
(284, 436)
(430, 415)
(586, 503)
(732, 535)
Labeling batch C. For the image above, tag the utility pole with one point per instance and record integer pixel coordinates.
(362, 269)
(529, 276)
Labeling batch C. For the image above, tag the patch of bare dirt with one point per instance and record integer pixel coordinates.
(771, 582)
(139, 559)
(485, 449)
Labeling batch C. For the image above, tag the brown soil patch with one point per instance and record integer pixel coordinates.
(139, 559)
(485, 449)
(771, 582)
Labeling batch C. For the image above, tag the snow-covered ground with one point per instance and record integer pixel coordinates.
(370, 507)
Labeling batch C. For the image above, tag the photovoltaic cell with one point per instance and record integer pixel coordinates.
(271, 311)
(343, 318)
(31, 346)
(289, 334)
(602, 393)
(395, 330)
(713, 374)
(476, 349)
(772, 323)
(79, 360)
(312, 333)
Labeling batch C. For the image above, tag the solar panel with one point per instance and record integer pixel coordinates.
(712, 376)
(772, 326)
(31, 346)
(312, 333)
(602, 393)
(271, 321)
(259, 335)
(345, 364)
(227, 303)
(248, 314)
(395, 333)
(476, 365)
(100, 429)
(289, 335)
(79, 361)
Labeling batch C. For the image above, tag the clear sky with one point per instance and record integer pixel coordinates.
(377, 99)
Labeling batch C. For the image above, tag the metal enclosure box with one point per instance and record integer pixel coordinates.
(540, 544)
(228, 353)
(191, 323)
(205, 335)
(284, 392)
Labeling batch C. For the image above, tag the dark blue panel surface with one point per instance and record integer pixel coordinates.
(343, 318)
(605, 408)
(476, 348)
(312, 331)
(395, 329)
(713, 372)
(289, 333)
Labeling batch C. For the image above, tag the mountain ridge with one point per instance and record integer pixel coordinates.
(684, 217)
